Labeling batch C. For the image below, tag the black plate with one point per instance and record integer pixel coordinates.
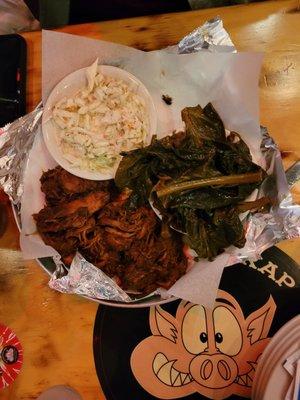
(248, 287)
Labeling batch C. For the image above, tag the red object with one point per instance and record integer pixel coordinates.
(11, 356)
(3, 197)
(18, 75)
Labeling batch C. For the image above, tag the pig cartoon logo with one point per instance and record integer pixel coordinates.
(212, 352)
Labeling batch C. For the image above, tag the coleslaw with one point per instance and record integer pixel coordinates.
(98, 122)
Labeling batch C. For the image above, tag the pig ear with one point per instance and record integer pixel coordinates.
(259, 322)
(163, 324)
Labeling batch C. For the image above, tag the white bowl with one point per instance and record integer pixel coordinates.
(69, 86)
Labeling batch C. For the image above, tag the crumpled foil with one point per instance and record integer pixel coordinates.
(282, 222)
(16, 140)
(211, 36)
(85, 279)
(263, 229)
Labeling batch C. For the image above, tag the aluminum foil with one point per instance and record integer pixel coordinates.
(263, 229)
(85, 279)
(211, 36)
(16, 140)
(282, 222)
(286, 214)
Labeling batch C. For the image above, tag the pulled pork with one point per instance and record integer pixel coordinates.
(131, 246)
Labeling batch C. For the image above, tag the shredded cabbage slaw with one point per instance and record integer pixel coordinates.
(101, 120)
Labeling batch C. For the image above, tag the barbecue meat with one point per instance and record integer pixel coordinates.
(59, 185)
(130, 246)
(123, 226)
(60, 242)
(70, 215)
(94, 247)
(139, 279)
(66, 226)
(158, 261)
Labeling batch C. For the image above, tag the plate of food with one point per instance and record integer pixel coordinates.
(175, 200)
(94, 114)
(132, 219)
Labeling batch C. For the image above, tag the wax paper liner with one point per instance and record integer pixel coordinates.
(263, 229)
(16, 139)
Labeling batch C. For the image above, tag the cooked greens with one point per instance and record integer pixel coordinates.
(198, 179)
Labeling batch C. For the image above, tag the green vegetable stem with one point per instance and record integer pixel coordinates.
(229, 180)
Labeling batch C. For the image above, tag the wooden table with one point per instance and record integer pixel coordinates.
(56, 330)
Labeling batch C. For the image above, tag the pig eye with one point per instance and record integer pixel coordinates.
(228, 335)
(203, 337)
(194, 331)
(219, 337)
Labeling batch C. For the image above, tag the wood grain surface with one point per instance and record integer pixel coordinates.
(55, 329)
(271, 27)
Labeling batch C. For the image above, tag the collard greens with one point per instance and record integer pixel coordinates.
(198, 178)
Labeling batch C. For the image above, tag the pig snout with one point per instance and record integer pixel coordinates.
(214, 370)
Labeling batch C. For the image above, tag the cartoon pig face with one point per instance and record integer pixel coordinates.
(212, 352)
